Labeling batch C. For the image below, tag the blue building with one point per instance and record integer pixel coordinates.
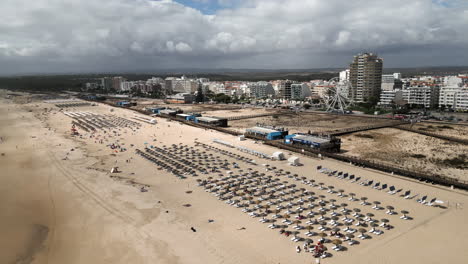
(187, 117)
(123, 104)
(269, 133)
(326, 143)
(156, 110)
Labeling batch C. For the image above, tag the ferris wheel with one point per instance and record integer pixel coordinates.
(336, 98)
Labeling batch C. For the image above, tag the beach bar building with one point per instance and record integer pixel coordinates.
(323, 143)
(270, 133)
(212, 121)
(168, 112)
(156, 110)
(186, 117)
(123, 104)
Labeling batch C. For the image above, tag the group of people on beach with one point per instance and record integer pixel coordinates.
(317, 250)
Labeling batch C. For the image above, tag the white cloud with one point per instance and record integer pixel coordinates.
(255, 32)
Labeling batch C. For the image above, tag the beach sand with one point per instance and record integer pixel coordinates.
(57, 210)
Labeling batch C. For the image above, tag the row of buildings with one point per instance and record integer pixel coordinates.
(364, 81)
(449, 92)
(367, 83)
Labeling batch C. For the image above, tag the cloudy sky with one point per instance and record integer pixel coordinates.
(54, 36)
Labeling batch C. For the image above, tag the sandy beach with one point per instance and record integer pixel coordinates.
(59, 203)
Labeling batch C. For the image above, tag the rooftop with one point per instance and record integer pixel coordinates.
(311, 138)
(262, 130)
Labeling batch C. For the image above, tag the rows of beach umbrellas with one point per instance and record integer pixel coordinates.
(226, 153)
(183, 160)
(377, 185)
(96, 121)
(290, 209)
(313, 213)
(163, 164)
(67, 105)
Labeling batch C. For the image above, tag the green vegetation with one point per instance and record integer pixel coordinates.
(460, 162)
(199, 98)
(445, 127)
(46, 83)
(222, 98)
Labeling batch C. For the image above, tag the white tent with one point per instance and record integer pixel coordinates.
(294, 161)
(278, 155)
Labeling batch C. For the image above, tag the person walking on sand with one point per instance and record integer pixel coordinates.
(298, 249)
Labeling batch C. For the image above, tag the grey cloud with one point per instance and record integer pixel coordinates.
(125, 35)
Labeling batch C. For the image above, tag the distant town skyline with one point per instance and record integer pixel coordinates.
(67, 36)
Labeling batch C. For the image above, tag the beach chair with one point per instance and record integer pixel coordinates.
(431, 202)
(376, 186)
(422, 200)
(384, 186)
(391, 190)
(406, 195)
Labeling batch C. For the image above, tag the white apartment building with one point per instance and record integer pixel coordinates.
(300, 91)
(344, 75)
(244, 88)
(426, 96)
(321, 89)
(366, 77)
(388, 82)
(461, 100)
(126, 86)
(453, 93)
(184, 85)
(217, 87)
(284, 89)
(397, 76)
(261, 89)
(389, 97)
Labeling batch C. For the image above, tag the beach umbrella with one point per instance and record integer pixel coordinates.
(362, 231)
(404, 216)
(347, 224)
(323, 225)
(337, 242)
(376, 205)
(322, 235)
(374, 225)
(390, 209)
(384, 222)
(364, 199)
(340, 192)
(369, 216)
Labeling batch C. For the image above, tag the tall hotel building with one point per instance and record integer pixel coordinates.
(365, 77)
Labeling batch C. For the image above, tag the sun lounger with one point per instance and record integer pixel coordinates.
(422, 200)
(431, 202)
(407, 194)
